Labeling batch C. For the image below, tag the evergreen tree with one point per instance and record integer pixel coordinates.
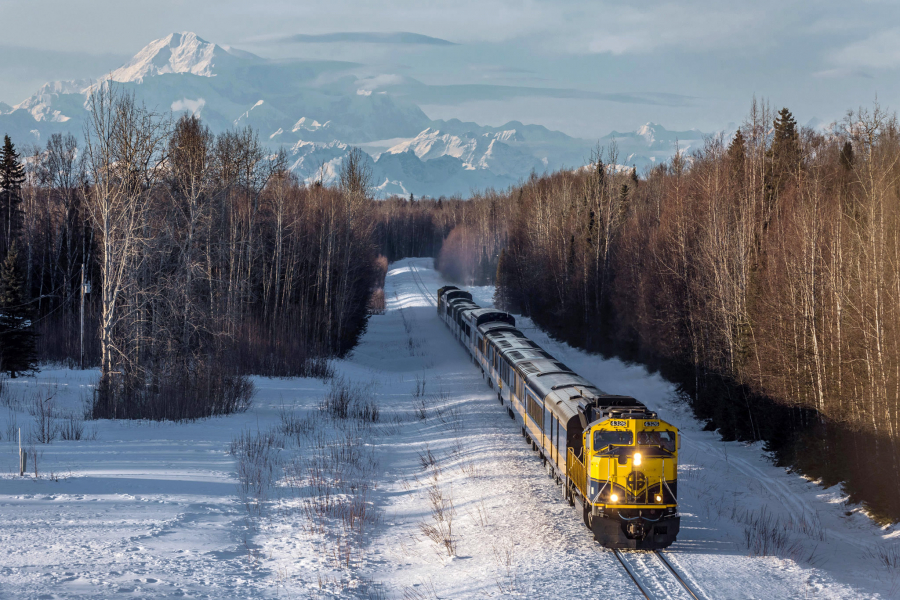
(736, 156)
(17, 347)
(784, 159)
(785, 150)
(634, 177)
(847, 156)
(12, 177)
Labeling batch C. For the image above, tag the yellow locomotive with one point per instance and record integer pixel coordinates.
(614, 458)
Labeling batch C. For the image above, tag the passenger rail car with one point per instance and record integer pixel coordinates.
(614, 458)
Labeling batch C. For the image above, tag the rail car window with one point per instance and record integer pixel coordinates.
(663, 439)
(603, 439)
(535, 411)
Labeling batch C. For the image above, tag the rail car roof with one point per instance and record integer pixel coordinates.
(452, 299)
(504, 340)
(555, 382)
(462, 307)
(571, 400)
(504, 332)
(445, 289)
(457, 301)
(542, 367)
(486, 315)
(494, 327)
(519, 352)
(452, 295)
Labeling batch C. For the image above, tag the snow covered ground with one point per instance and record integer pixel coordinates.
(149, 510)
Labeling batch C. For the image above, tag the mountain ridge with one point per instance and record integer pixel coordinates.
(314, 109)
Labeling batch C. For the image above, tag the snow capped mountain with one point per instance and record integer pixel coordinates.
(55, 101)
(492, 151)
(650, 144)
(315, 110)
(179, 53)
(309, 125)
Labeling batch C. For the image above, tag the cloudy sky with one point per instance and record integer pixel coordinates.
(581, 66)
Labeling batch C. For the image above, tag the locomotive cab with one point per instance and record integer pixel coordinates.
(631, 468)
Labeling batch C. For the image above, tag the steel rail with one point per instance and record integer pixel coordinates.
(678, 577)
(417, 279)
(631, 574)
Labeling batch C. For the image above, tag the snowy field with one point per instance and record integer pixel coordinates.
(439, 498)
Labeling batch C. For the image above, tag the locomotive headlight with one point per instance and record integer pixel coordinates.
(637, 459)
(658, 498)
(613, 498)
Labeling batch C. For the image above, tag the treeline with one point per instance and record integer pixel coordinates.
(464, 236)
(761, 273)
(207, 260)
(772, 259)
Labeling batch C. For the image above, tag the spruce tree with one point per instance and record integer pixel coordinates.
(12, 178)
(847, 156)
(786, 141)
(736, 156)
(784, 159)
(17, 343)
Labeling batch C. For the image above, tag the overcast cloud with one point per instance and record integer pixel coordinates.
(709, 56)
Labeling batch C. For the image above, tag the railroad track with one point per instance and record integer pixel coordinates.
(656, 577)
(417, 278)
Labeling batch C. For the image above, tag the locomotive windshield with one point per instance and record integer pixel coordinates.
(603, 439)
(663, 439)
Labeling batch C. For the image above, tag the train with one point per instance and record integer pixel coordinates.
(614, 458)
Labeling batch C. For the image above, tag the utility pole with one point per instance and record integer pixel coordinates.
(82, 317)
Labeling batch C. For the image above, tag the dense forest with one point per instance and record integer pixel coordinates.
(203, 258)
(760, 273)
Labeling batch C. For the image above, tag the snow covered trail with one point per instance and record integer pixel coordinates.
(153, 510)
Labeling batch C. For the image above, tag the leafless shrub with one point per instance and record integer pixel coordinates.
(807, 524)
(449, 416)
(350, 401)
(427, 459)
(421, 382)
(376, 302)
(507, 567)
(440, 529)
(43, 409)
(887, 554)
(422, 591)
(257, 460)
(293, 425)
(35, 455)
(766, 535)
(12, 425)
(479, 517)
(420, 408)
(470, 468)
(333, 477)
(393, 424)
(182, 392)
(413, 345)
(72, 428)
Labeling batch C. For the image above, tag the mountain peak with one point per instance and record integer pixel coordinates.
(184, 52)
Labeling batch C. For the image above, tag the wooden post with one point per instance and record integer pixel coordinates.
(22, 455)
